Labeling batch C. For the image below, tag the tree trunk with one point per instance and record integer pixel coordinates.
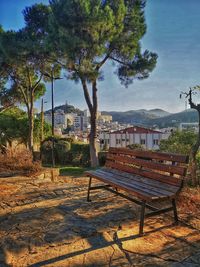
(93, 140)
(92, 105)
(31, 127)
(193, 161)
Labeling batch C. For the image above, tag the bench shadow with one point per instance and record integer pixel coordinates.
(103, 244)
(71, 215)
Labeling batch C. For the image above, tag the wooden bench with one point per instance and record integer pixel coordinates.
(145, 176)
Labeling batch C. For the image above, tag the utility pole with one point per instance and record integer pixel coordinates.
(52, 117)
(52, 78)
(42, 121)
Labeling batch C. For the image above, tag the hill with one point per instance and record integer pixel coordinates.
(66, 108)
(171, 120)
(142, 117)
(138, 117)
(154, 117)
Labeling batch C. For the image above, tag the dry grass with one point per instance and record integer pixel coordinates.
(189, 199)
(19, 161)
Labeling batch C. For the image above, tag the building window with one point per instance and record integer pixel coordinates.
(142, 141)
(155, 142)
(118, 141)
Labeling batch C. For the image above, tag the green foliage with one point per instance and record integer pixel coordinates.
(61, 148)
(102, 158)
(135, 146)
(73, 171)
(88, 33)
(179, 142)
(76, 154)
(80, 154)
(14, 126)
(198, 160)
(37, 130)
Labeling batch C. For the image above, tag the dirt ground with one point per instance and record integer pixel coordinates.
(45, 223)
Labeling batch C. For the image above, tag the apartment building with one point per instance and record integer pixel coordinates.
(60, 119)
(149, 139)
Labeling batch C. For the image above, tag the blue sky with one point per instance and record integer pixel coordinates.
(172, 32)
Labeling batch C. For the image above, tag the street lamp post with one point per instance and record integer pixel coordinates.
(52, 79)
(52, 118)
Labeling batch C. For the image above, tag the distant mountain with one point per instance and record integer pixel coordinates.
(142, 117)
(171, 120)
(66, 108)
(158, 112)
(137, 117)
(154, 117)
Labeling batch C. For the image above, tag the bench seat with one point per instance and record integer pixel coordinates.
(139, 186)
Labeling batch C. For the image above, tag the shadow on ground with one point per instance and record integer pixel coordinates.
(51, 224)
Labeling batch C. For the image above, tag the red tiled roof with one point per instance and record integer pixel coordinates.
(135, 129)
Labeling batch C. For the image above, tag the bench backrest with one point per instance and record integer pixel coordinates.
(164, 167)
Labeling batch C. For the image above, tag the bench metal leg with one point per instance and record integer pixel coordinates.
(175, 211)
(89, 186)
(142, 215)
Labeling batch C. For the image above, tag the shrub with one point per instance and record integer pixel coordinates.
(198, 160)
(61, 151)
(80, 154)
(179, 142)
(102, 157)
(19, 161)
(135, 146)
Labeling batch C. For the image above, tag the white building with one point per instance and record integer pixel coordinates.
(81, 122)
(60, 119)
(149, 139)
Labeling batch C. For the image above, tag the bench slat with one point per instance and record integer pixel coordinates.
(145, 180)
(149, 174)
(151, 155)
(135, 189)
(148, 164)
(137, 182)
(139, 194)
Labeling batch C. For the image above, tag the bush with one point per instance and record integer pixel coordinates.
(61, 151)
(62, 154)
(80, 154)
(135, 146)
(198, 160)
(102, 157)
(19, 161)
(179, 142)
(76, 154)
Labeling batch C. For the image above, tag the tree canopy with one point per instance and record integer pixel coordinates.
(89, 33)
(14, 126)
(80, 37)
(179, 142)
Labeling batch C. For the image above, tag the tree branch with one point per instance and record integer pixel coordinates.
(37, 83)
(100, 64)
(192, 105)
(120, 62)
(6, 107)
(25, 97)
(29, 77)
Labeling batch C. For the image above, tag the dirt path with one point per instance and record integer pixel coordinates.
(45, 223)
